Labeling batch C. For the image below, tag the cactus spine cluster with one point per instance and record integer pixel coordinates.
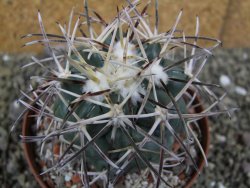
(118, 100)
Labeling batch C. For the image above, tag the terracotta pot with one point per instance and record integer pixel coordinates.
(29, 151)
(35, 168)
(204, 128)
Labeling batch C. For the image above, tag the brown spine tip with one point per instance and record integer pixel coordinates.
(23, 36)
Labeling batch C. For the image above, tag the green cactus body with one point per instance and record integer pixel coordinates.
(116, 100)
(121, 142)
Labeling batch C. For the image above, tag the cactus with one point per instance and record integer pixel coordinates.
(117, 101)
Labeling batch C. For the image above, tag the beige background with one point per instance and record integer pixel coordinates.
(227, 20)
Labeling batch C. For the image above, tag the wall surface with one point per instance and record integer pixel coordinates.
(223, 19)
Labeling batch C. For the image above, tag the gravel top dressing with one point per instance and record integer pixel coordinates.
(229, 155)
